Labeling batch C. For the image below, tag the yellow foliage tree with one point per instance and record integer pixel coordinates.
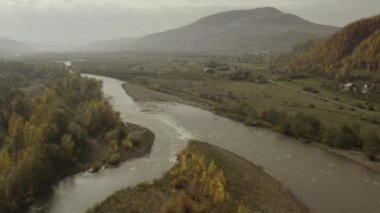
(5, 160)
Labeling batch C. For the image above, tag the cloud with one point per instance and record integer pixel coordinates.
(46, 4)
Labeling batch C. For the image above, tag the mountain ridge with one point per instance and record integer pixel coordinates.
(12, 47)
(237, 31)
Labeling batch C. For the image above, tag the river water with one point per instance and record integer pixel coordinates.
(323, 181)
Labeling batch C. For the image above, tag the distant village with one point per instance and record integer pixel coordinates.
(364, 89)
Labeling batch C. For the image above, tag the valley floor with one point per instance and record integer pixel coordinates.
(142, 94)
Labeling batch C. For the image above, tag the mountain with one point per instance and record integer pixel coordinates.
(354, 48)
(10, 47)
(241, 31)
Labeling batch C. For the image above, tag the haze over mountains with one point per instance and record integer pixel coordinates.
(240, 31)
(10, 47)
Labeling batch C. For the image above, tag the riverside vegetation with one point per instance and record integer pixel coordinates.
(55, 123)
(206, 179)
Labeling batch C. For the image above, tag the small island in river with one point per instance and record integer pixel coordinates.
(206, 179)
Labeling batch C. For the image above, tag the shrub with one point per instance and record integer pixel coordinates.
(330, 136)
(306, 127)
(178, 204)
(114, 159)
(126, 144)
(285, 127)
(348, 138)
(272, 116)
(360, 105)
(113, 134)
(310, 89)
(68, 144)
(371, 145)
(114, 146)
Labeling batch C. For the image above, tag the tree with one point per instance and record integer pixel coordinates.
(347, 138)
(15, 131)
(5, 160)
(306, 127)
(34, 134)
(18, 105)
(285, 126)
(68, 144)
(371, 145)
(330, 136)
(272, 116)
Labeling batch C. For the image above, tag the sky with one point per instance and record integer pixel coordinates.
(76, 22)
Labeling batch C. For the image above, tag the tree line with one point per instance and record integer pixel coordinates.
(305, 127)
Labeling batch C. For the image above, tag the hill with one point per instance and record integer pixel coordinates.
(353, 50)
(10, 47)
(240, 31)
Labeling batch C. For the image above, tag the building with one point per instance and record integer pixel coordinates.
(365, 89)
(349, 87)
(208, 70)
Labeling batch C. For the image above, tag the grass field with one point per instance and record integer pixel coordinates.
(344, 97)
(263, 97)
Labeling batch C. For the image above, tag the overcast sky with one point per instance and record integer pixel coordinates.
(83, 21)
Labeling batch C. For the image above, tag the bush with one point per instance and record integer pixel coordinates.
(348, 138)
(114, 159)
(310, 89)
(371, 145)
(113, 146)
(68, 144)
(272, 116)
(178, 204)
(306, 127)
(126, 144)
(285, 127)
(330, 136)
(113, 134)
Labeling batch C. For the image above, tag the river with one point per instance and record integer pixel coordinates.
(323, 181)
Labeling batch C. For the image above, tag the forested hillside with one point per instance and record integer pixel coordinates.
(48, 135)
(355, 48)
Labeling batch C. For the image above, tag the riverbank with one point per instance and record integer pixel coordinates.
(142, 94)
(245, 186)
(355, 156)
